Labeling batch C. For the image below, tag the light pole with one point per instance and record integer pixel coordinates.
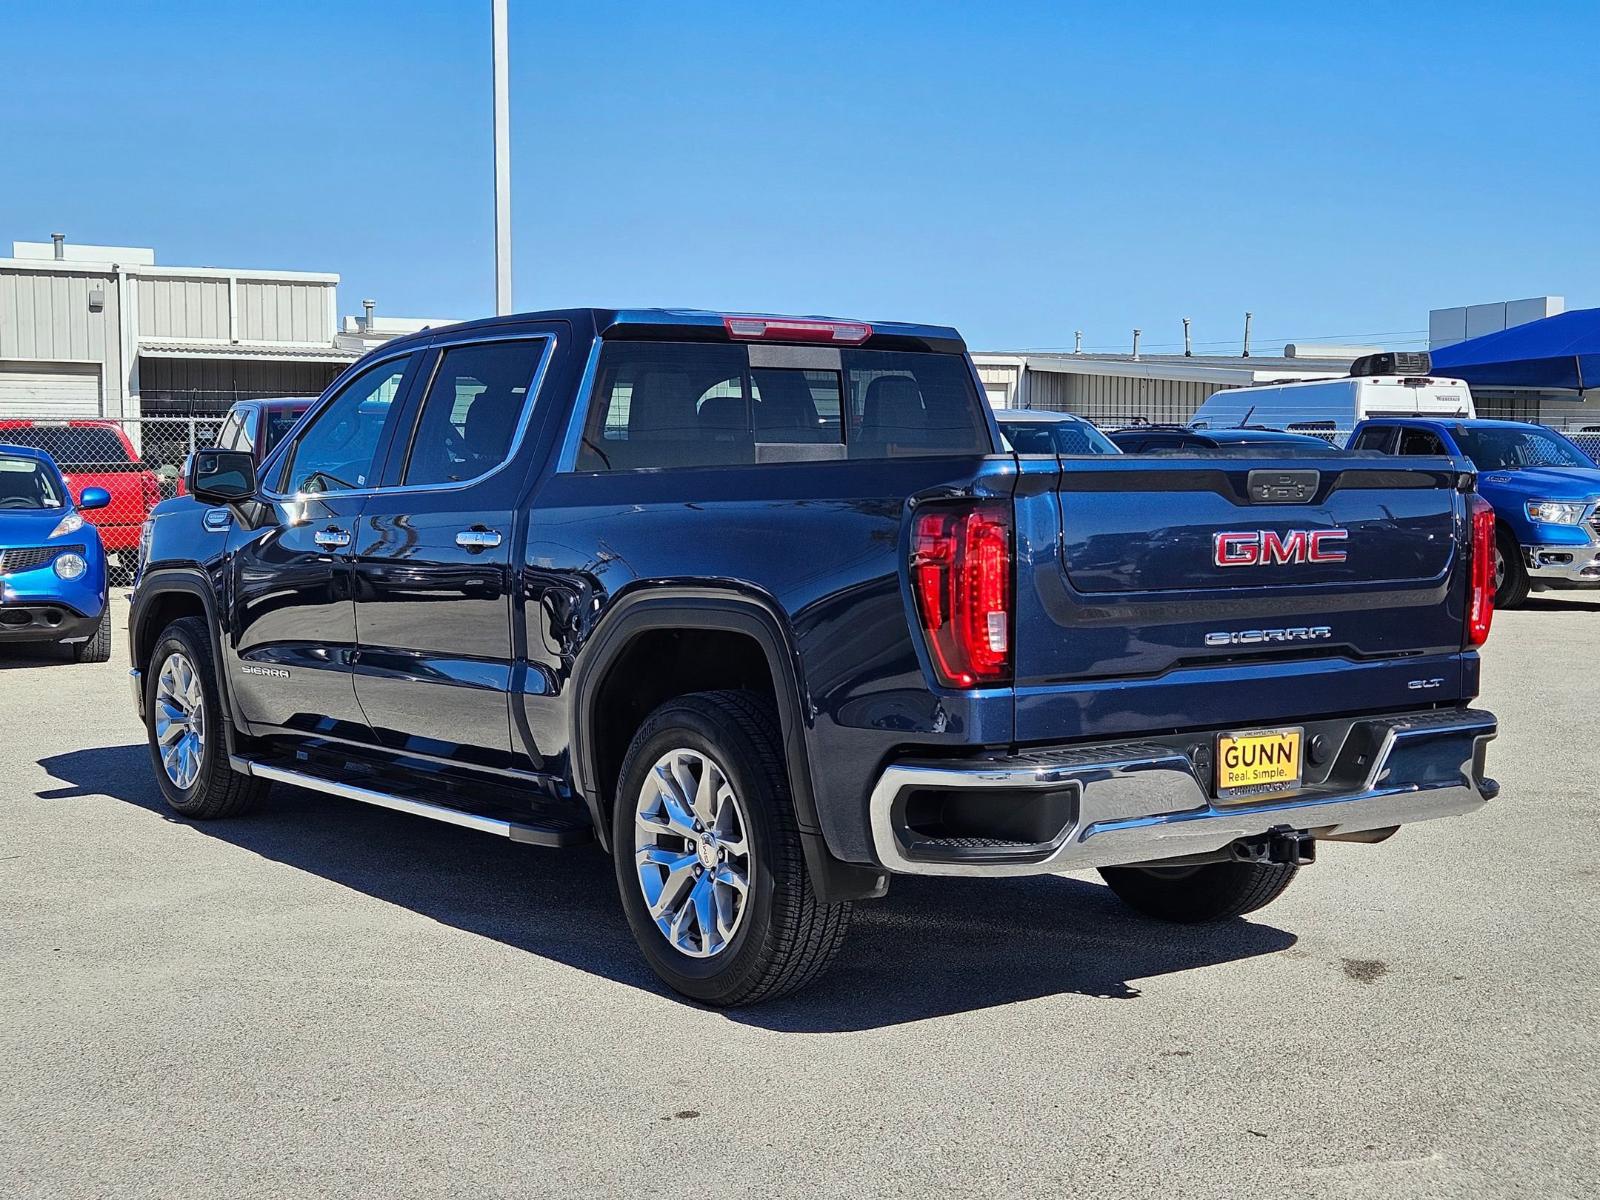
(502, 164)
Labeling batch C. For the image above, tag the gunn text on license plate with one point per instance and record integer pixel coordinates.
(1258, 763)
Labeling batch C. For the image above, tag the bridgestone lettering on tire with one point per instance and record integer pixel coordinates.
(708, 857)
(195, 778)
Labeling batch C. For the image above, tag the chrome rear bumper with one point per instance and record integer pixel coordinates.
(1147, 801)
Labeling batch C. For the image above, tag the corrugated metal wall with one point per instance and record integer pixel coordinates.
(205, 386)
(47, 317)
(283, 312)
(1049, 390)
(183, 308)
(1113, 399)
(1116, 399)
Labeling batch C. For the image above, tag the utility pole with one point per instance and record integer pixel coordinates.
(502, 163)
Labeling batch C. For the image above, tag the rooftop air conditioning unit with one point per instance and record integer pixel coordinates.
(1393, 362)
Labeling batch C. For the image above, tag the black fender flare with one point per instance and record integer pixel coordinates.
(729, 610)
(192, 581)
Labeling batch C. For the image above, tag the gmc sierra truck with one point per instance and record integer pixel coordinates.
(761, 606)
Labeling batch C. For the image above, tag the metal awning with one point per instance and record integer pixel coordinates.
(1561, 352)
(248, 351)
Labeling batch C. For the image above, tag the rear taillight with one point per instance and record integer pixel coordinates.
(961, 576)
(1480, 592)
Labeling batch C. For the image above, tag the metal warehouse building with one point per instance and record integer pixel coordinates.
(89, 331)
(1113, 389)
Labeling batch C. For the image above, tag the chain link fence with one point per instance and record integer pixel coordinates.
(138, 461)
(1583, 432)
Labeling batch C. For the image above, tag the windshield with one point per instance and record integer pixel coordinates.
(1056, 437)
(27, 483)
(1509, 449)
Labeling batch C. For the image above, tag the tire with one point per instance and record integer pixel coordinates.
(779, 937)
(98, 648)
(204, 787)
(1513, 586)
(1201, 894)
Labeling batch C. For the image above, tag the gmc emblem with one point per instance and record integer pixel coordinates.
(1264, 547)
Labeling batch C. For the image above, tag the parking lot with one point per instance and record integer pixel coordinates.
(324, 999)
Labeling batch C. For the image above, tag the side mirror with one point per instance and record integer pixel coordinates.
(221, 476)
(93, 497)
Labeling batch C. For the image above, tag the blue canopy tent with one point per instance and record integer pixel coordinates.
(1553, 352)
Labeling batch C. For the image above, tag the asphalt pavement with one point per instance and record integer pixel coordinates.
(326, 999)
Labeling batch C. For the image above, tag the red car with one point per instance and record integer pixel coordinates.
(97, 454)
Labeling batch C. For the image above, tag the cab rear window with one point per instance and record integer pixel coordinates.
(74, 447)
(699, 404)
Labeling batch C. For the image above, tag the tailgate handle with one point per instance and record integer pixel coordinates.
(1283, 487)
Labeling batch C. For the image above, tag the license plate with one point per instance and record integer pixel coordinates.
(1259, 763)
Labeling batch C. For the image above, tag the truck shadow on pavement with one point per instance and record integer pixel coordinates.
(22, 655)
(1551, 604)
(932, 948)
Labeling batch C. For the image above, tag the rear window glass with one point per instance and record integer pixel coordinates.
(685, 404)
(275, 423)
(74, 447)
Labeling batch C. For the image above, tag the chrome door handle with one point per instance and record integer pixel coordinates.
(478, 539)
(331, 538)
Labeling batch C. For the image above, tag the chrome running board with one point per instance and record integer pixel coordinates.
(556, 834)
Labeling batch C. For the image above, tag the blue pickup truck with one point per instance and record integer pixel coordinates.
(1544, 490)
(763, 607)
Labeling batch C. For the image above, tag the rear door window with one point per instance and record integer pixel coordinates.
(1420, 441)
(1379, 438)
(681, 404)
(474, 408)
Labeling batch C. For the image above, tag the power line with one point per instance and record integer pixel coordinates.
(1396, 337)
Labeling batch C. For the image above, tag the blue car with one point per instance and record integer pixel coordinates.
(1544, 490)
(1038, 431)
(52, 566)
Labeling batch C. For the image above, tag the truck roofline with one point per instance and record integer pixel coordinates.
(687, 323)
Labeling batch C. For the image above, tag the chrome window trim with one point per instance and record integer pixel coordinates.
(528, 407)
(567, 463)
(290, 440)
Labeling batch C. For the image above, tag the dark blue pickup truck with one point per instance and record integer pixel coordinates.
(761, 606)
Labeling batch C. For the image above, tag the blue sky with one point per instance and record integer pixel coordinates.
(1019, 170)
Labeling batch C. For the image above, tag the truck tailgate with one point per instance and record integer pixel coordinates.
(1184, 592)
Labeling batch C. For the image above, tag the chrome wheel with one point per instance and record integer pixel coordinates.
(692, 853)
(1499, 570)
(180, 714)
